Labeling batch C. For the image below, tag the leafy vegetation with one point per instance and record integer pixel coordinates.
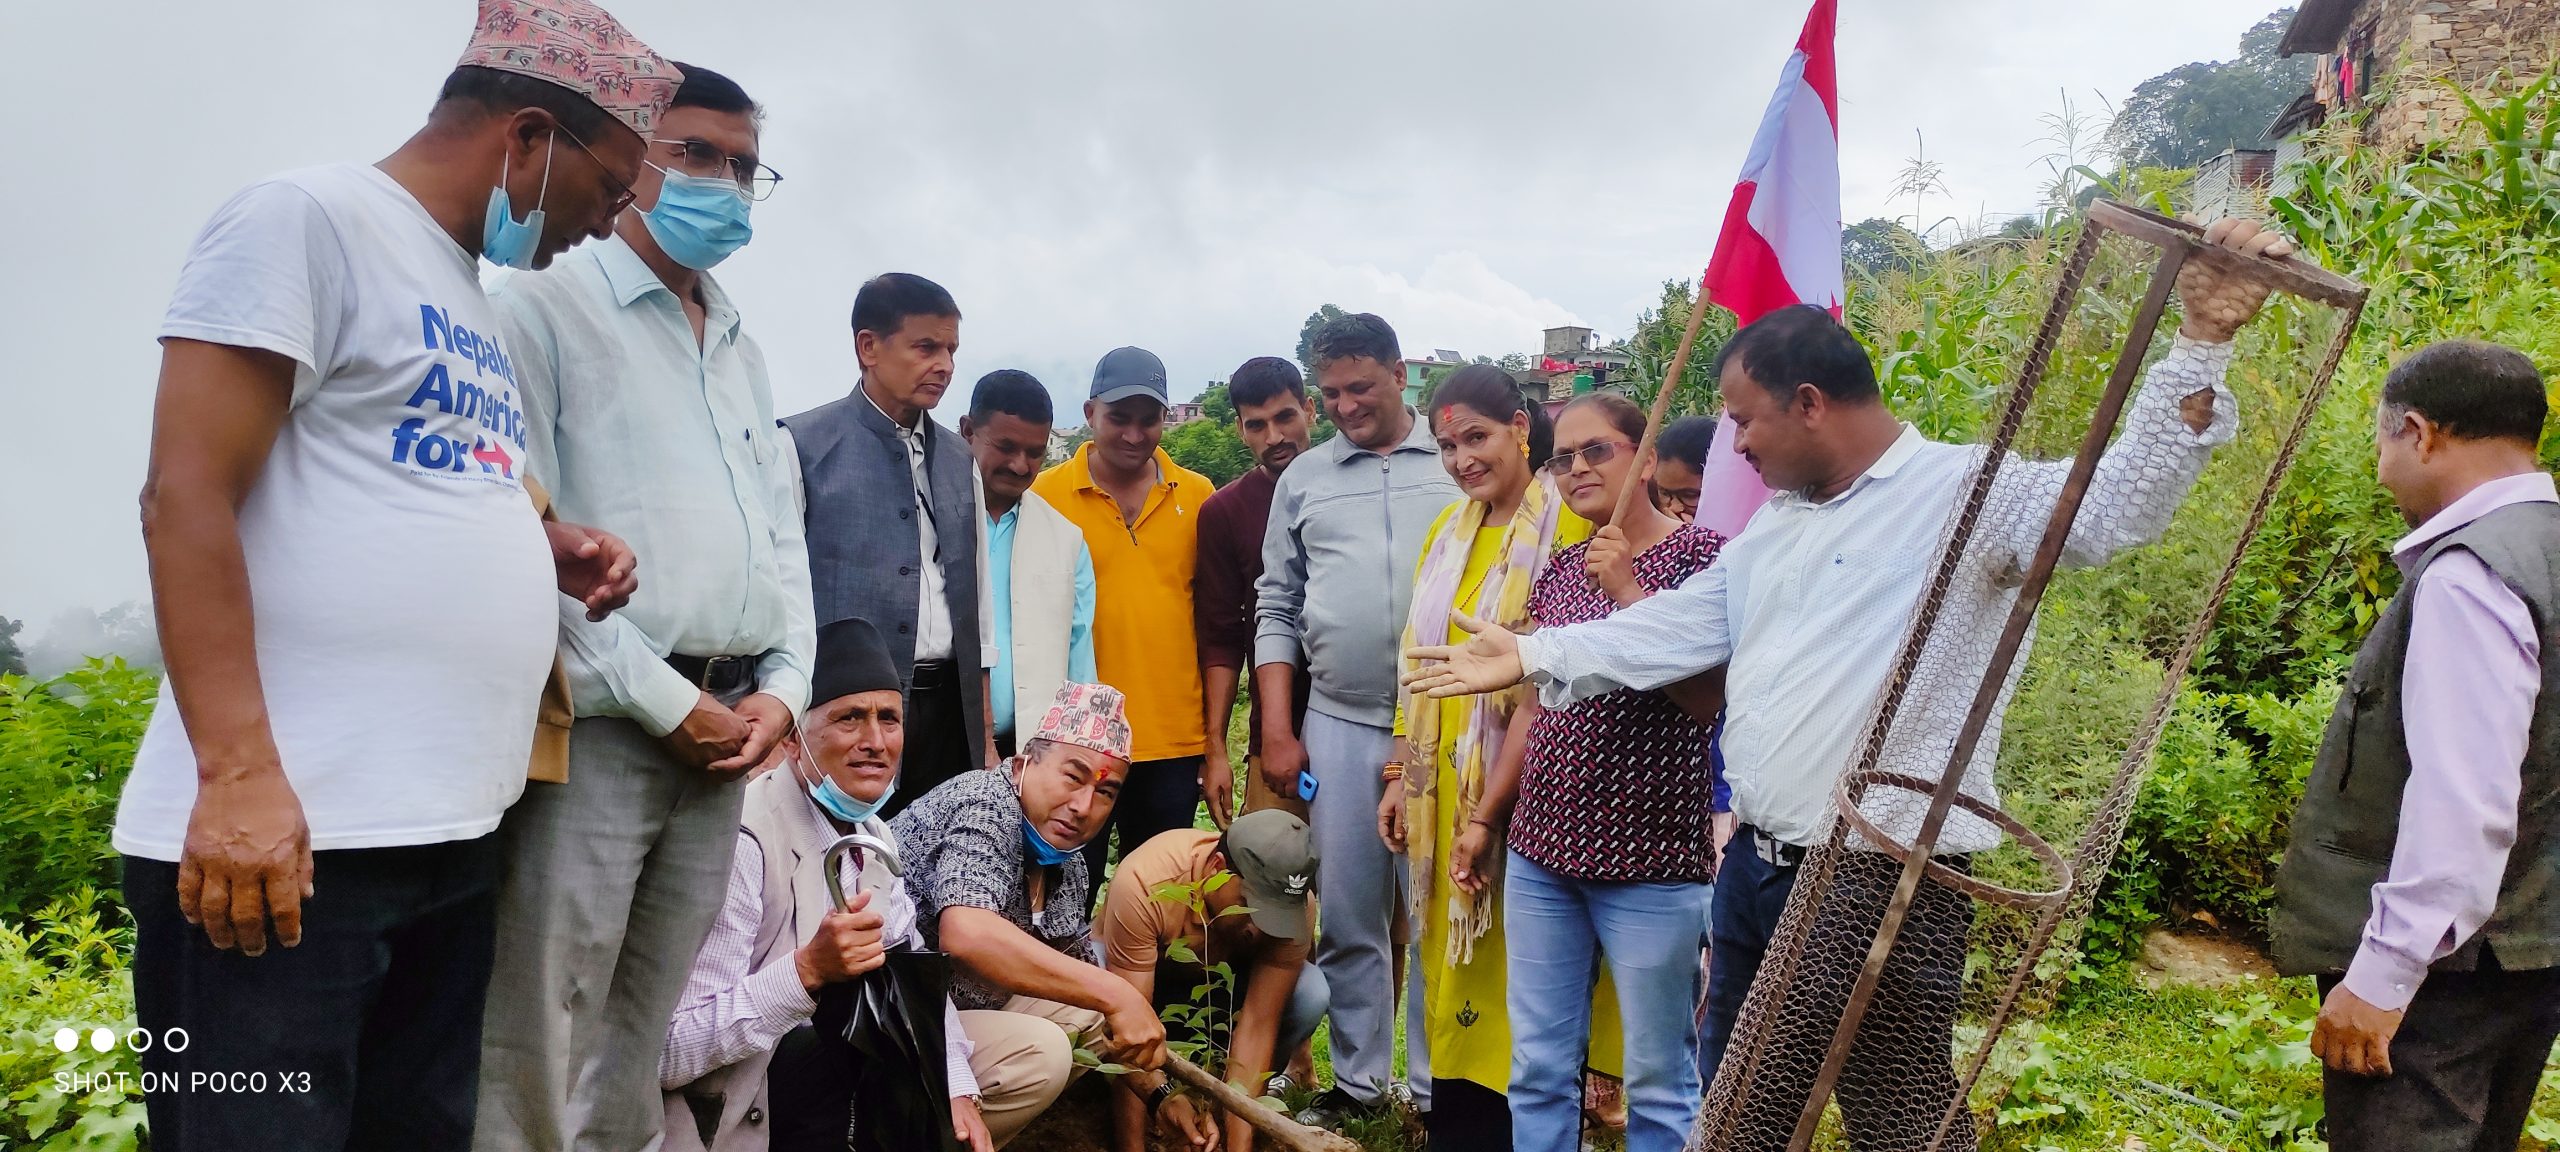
(65, 746)
(65, 967)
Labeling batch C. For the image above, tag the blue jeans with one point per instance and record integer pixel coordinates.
(1554, 926)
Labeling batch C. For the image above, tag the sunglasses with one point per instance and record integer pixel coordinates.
(1593, 455)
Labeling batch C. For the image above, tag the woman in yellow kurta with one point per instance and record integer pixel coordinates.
(1481, 558)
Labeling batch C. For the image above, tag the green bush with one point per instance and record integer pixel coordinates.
(67, 970)
(65, 747)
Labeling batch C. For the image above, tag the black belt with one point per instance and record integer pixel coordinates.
(934, 674)
(1777, 853)
(714, 674)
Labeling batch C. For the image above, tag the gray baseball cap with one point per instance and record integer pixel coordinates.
(1127, 372)
(1272, 853)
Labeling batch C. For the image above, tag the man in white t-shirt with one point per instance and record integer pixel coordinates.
(356, 601)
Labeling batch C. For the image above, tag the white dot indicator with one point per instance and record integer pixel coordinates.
(103, 1039)
(65, 1039)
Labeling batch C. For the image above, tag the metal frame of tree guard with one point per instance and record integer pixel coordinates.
(2073, 881)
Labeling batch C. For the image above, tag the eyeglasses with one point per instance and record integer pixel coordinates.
(1594, 455)
(700, 158)
(622, 194)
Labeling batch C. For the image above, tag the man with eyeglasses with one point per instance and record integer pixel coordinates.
(341, 531)
(647, 410)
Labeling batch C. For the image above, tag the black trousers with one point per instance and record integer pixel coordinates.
(1467, 1115)
(938, 746)
(810, 1086)
(1900, 1077)
(1161, 795)
(2464, 1066)
(365, 1036)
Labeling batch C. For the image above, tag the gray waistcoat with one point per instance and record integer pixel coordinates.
(2349, 820)
(727, 1110)
(862, 534)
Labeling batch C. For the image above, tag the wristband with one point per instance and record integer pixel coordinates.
(1157, 1097)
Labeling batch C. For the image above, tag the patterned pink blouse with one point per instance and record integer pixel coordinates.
(1616, 788)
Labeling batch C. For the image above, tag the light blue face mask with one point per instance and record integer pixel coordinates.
(1049, 855)
(698, 220)
(504, 241)
(841, 804)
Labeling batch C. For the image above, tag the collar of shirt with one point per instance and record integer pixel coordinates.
(1080, 469)
(630, 278)
(2521, 488)
(912, 437)
(813, 833)
(1896, 454)
(1416, 439)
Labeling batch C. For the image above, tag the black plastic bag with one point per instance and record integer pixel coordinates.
(891, 1023)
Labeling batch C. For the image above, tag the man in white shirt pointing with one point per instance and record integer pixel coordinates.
(1805, 612)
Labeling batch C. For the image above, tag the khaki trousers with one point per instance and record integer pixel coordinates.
(1021, 1056)
(1258, 795)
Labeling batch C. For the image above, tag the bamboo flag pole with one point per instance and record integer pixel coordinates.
(1662, 402)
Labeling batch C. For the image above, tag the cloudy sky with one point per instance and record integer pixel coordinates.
(1192, 176)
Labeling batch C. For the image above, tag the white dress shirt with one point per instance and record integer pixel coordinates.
(933, 612)
(1808, 608)
(728, 1013)
(669, 443)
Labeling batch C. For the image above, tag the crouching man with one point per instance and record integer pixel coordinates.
(993, 859)
(743, 1068)
(1187, 902)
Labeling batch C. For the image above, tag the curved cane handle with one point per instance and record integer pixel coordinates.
(873, 836)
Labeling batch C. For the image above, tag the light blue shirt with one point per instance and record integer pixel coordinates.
(1000, 586)
(638, 429)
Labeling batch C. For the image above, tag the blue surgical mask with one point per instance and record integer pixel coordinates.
(1049, 855)
(504, 241)
(841, 804)
(698, 220)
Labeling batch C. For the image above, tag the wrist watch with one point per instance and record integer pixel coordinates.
(1157, 1097)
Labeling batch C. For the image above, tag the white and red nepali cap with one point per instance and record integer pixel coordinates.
(580, 47)
(1092, 716)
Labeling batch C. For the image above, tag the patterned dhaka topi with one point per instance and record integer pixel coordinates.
(1092, 716)
(580, 47)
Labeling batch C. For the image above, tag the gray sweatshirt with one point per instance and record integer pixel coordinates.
(1337, 568)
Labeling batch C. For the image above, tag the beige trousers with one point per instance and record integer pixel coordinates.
(1258, 795)
(1021, 1056)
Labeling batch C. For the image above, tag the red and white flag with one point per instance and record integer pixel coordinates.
(1781, 239)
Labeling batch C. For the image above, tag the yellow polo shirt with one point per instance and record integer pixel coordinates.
(1143, 643)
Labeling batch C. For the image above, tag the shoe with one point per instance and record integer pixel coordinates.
(1332, 1110)
(1280, 1085)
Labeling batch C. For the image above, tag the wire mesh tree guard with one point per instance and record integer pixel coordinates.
(1826, 992)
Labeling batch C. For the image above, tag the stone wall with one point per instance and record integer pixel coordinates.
(2469, 41)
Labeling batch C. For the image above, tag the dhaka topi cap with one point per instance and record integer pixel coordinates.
(851, 658)
(1271, 852)
(580, 47)
(1127, 372)
(1092, 716)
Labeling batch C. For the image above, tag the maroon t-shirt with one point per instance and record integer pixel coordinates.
(1616, 787)
(1222, 597)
